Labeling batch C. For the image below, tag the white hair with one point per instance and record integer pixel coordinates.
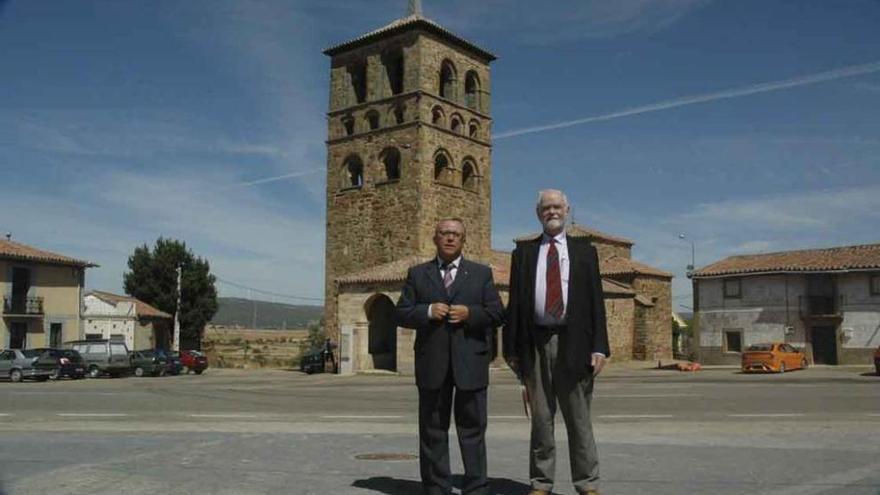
(547, 192)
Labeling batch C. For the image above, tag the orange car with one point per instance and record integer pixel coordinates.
(774, 356)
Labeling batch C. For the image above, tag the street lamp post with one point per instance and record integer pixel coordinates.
(690, 268)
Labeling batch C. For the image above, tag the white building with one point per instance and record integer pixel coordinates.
(825, 301)
(111, 316)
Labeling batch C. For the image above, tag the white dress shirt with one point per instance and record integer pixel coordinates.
(541, 279)
(453, 266)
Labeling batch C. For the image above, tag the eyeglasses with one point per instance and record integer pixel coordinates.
(450, 233)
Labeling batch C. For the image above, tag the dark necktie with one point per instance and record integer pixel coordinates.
(553, 305)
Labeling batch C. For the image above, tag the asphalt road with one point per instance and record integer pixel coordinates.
(278, 432)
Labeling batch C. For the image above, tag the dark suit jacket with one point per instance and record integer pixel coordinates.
(585, 311)
(466, 346)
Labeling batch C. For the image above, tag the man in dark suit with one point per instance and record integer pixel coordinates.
(454, 307)
(556, 341)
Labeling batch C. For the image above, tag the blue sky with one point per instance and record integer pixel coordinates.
(123, 121)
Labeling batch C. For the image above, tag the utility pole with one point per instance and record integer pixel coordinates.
(254, 304)
(176, 345)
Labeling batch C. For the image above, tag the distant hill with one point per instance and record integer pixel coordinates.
(233, 311)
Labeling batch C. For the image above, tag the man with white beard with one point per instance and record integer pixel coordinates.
(556, 341)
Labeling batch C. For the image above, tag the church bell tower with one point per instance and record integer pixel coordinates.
(409, 142)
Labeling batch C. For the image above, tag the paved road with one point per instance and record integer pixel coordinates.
(277, 432)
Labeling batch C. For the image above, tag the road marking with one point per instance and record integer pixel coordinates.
(226, 415)
(767, 415)
(829, 482)
(874, 415)
(92, 415)
(360, 417)
(5, 414)
(644, 396)
(635, 416)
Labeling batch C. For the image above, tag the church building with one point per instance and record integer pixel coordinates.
(410, 142)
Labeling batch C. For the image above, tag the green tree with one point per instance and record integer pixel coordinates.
(153, 279)
(315, 339)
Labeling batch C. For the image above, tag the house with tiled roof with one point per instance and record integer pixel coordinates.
(41, 296)
(125, 318)
(826, 301)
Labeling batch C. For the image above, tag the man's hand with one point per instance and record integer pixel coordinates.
(458, 313)
(439, 311)
(598, 362)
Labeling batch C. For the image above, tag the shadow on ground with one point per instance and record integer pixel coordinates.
(397, 486)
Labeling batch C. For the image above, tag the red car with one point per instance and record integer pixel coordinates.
(194, 361)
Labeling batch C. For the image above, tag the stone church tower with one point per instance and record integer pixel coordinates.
(409, 142)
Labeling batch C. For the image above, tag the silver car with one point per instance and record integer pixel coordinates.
(19, 364)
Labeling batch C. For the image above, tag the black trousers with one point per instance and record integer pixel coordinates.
(470, 424)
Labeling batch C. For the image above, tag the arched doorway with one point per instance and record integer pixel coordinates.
(382, 333)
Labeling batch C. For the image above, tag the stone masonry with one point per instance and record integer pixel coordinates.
(408, 143)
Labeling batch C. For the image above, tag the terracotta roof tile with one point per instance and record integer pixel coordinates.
(404, 24)
(16, 250)
(610, 286)
(617, 265)
(863, 257)
(578, 230)
(143, 309)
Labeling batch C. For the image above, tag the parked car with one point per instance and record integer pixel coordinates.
(148, 362)
(172, 360)
(312, 362)
(103, 356)
(877, 360)
(68, 362)
(194, 361)
(773, 356)
(19, 364)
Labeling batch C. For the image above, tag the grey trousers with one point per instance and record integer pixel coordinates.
(548, 385)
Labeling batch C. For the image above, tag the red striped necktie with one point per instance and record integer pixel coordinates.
(553, 304)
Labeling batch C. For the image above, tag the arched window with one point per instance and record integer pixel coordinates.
(469, 175)
(437, 116)
(442, 167)
(456, 123)
(447, 80)
(397, 115)
(352, 172)
(373, 120)
(393, 62)
(474, 129)
(348, 125)
(390, 158)
(358, 75)
(472, 90)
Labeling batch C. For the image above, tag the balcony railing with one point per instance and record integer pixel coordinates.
(22, 305)
(821, 306)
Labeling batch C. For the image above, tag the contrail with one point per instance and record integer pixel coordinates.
(273, 179)
(831, 75)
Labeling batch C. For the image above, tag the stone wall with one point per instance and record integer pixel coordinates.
(620, 321)
(658, 318)
(249, 348)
